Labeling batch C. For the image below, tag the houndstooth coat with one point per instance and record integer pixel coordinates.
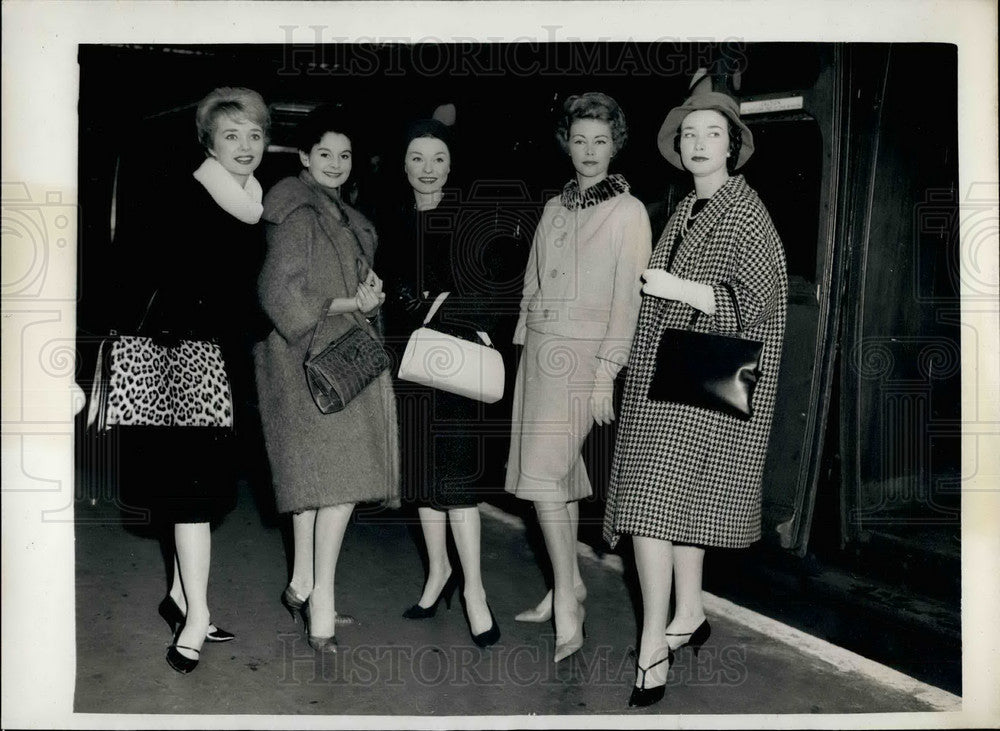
(682, 473)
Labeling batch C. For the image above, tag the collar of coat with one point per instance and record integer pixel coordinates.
(239, 201)
(732, 191)
(333, 215)
(605, 190)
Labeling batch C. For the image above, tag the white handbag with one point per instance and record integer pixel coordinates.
(448, 363)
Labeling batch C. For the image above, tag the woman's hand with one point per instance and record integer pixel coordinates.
(602, 397)
(373, 281)
(661, 283)
(370, 296)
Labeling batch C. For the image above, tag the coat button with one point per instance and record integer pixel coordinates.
(554, 273)
(545, 314)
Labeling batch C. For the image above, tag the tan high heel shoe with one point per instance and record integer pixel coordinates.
(574, 643)
(324, 644)
(543, 611)
(295, 604)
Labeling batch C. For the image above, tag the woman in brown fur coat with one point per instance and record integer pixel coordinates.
(318, 271)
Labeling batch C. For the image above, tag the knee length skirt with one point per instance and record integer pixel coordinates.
(551, 418)
(176, 474)
(442, 449)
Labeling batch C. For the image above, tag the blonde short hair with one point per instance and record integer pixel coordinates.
(592, 105)
(236, 103)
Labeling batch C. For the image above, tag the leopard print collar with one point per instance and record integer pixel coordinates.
(611, 186)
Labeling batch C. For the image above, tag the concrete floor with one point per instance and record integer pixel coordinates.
(391, 666)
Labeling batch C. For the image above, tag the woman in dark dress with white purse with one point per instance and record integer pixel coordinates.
(442, 453)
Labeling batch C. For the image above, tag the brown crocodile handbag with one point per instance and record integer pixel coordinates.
(342, 369)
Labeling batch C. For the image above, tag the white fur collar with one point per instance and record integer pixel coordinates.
(242, 203)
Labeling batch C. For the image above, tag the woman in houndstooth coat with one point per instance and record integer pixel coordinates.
(684, 477)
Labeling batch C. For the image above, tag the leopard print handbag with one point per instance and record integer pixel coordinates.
(139, 382)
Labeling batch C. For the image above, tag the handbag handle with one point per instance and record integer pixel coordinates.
(736, 306)
(145, 313)
(438, 301)
(736, 310)
(319, 323)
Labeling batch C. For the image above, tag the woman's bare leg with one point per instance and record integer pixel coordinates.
(553, 517)
(193, 542)
(654, 564)
(434, 524)
(303, 536)
(331, 524)
(544, 607)
(467, 529)
(690, 611)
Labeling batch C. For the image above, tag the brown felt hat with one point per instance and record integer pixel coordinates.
(702, 100)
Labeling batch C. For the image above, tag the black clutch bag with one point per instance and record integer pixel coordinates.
(708, 370)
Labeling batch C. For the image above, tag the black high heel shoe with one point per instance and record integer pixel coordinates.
(490, 636)
(641, 695)
(696, 639)
(171, 613)
(174, 617)
(447, 591)
(179, 662)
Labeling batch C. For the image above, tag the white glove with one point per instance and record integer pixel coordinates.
(602, 397)
(663, 284)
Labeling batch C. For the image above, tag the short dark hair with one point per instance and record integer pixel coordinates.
(324, 118)
(431, 128)
(236, 103)
(592, 105)
(735, 143)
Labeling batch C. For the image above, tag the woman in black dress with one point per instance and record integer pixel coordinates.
(440, 449)
(204, 291)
